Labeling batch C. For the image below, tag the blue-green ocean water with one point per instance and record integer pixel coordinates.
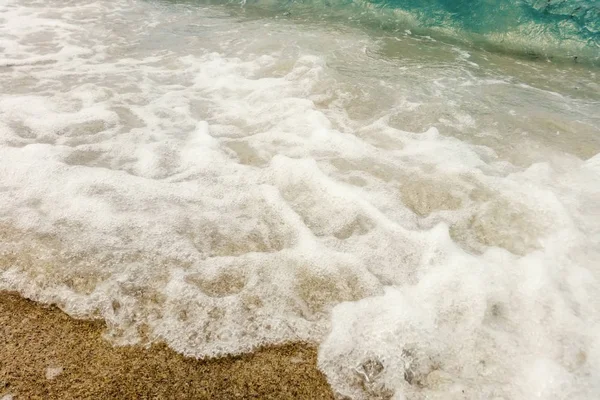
(538, 28)
(577, 20)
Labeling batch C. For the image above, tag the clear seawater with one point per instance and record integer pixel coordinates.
(413, 186)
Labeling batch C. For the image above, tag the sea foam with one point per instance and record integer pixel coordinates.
(221, 184)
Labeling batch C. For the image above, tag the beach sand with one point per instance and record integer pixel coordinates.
(45, 354)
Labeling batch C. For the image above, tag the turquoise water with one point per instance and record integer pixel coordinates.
(577, 20)
(567, 29)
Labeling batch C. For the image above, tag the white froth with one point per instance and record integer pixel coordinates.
(218, 184)
(53, 372)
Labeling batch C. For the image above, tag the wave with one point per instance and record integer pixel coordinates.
(546, 25)
(551, 29)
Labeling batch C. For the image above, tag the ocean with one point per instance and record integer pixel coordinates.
(412, 186)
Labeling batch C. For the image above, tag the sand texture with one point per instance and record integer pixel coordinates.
(45, 354)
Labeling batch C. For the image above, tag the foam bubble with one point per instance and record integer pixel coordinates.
(53, 372)
(470, 327)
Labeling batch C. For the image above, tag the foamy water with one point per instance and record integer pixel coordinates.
(220, 179)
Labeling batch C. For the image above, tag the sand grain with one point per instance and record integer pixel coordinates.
(45, 354)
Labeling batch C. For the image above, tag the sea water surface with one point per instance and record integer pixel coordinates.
(414, 186)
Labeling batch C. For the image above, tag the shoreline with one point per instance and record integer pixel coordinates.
(46, 354)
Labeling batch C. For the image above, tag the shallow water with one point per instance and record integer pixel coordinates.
(222, 177)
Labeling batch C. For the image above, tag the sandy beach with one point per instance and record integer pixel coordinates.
(45, 354)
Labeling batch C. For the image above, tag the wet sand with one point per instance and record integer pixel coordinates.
(45, 354)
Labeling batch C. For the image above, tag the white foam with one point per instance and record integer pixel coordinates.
(494, 327)
(245, 185)
(53, 372)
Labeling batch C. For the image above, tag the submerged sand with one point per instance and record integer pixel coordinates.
(45, 354)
